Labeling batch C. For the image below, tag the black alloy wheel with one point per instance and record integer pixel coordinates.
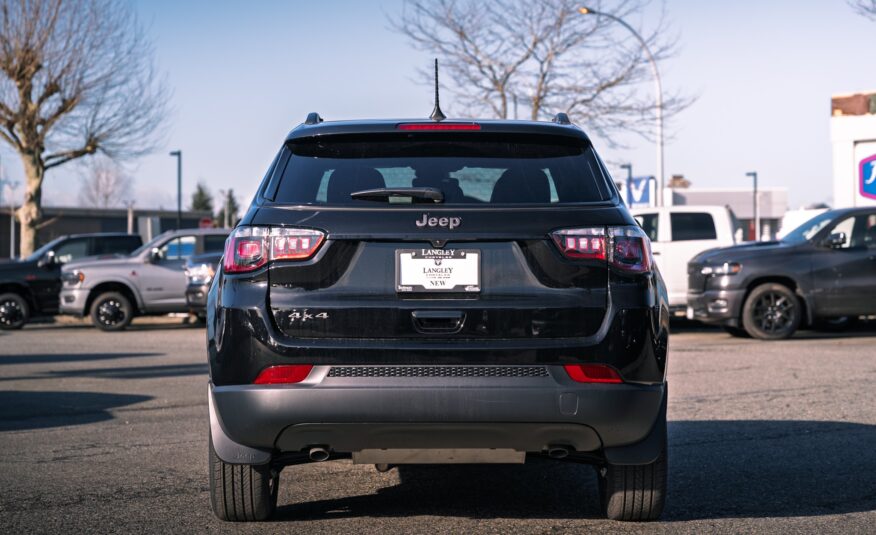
(111, 311)
(771, 312)
(14, 311)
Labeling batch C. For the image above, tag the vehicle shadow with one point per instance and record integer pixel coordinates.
(47, 358)
(130, 372)
(21, 410)
(145, 323)
(718, 469)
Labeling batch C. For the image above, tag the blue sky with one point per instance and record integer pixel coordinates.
(244, 73)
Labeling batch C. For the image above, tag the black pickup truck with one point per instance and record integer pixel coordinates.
(29, 287)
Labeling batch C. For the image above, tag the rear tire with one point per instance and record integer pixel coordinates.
(771, 312)
(634, 493)
(242, 492)
(111, 311)
(14, 311)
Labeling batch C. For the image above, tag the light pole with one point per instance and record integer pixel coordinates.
(178, 154)
(658, 87)
(755, 207)
(629, 168)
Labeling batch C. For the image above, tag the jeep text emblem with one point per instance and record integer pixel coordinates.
(449, 222)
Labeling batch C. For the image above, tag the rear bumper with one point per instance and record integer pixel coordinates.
(526, 414)
(718, 307)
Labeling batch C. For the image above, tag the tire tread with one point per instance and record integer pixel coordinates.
(241, 492)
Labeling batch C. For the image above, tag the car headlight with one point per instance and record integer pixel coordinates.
(727, 268)
(200, 274)
(73, 277)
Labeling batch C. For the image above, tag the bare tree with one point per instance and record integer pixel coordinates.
(547, 56)
(76, 79)
(105, 185)
(867, 8)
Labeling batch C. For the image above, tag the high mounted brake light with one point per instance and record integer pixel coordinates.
(439, 126)
(249, 248)
(625, 248)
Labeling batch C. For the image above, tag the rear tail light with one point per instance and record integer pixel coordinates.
(625, 248)
(286, 374)
(630, 249)
(593, 373)
(249, 248)
(581, 242)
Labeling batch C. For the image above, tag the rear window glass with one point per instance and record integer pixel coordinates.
(688, 226)
(483, 171)
(116, 244)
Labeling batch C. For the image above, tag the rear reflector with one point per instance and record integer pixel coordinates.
(592, 373)
(286, 374)
(439, 126)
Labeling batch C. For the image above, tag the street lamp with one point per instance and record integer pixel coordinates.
(755, 207)
(659, 88)
(178, 154)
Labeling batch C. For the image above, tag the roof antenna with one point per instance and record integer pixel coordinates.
(437, 114)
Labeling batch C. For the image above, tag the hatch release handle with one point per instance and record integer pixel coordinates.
(438, 321)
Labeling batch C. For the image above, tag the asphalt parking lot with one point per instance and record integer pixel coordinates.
(106, 432)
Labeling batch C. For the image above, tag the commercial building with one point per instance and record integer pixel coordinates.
(61, 220)
(853, 138)
(773, 205)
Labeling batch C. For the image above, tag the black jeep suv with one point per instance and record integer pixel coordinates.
(30, 286)
(437, 292)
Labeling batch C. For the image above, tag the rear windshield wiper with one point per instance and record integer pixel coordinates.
(384, 194)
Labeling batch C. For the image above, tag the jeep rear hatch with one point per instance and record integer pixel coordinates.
(515, 247)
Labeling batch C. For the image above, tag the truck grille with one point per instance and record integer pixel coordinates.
(438, 371)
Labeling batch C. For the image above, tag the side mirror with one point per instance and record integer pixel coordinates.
(155, 255)
(836, 240)
(47, 260)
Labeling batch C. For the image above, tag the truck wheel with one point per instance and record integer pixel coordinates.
(14, 311)
(771, 312)
(242, 492)
(634, 492)
(111, 311)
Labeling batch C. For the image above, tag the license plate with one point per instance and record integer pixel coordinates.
(437, 270)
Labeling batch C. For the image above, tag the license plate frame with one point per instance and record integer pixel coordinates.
(466, 280)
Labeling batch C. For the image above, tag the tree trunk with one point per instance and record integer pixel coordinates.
(31, 211)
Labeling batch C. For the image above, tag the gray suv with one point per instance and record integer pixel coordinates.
(151, 280)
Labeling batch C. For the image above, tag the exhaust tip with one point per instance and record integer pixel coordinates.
(558, 452)
(318, 454)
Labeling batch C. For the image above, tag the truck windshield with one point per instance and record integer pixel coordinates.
(481, 169)
(36, 255)
(809, 229)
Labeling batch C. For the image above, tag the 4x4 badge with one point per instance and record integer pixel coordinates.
(304, 315)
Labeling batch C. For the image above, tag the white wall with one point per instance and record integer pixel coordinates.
(853, 138)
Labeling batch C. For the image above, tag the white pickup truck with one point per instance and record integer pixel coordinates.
(678, 233)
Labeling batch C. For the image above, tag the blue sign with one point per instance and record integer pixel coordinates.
(867, 177)
(639, 191)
